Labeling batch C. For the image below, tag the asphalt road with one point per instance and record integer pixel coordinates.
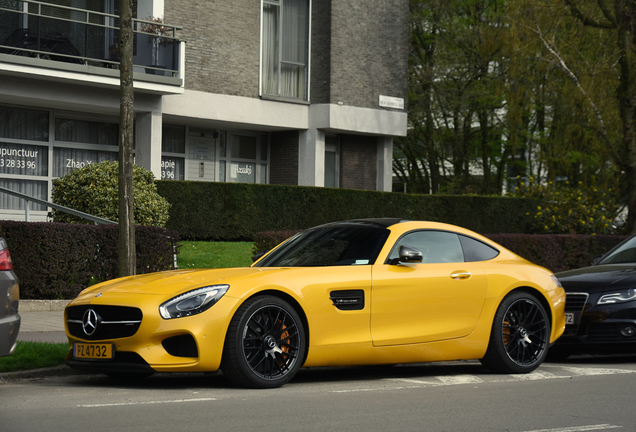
(583, 394)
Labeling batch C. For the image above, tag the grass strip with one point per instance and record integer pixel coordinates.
(200, 254)
(34, 355)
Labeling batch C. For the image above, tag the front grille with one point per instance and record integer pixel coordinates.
(181, 346)
(600, 332)
(575, 302)
(116, 321)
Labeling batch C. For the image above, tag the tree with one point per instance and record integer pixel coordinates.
(619, 17)
(127, 255)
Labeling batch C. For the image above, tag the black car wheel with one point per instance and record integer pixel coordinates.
(265, 344)
(519, 337)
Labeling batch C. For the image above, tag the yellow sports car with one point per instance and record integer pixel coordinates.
(360, 292)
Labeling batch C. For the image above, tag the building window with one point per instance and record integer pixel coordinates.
(244, 160)
(173, 143)
(332, 171)
(285, 39)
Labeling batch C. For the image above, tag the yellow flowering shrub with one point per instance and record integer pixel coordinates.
(580, 209)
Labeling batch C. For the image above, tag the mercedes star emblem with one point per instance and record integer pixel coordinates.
(90, 321)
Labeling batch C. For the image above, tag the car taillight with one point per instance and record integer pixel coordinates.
(5, 260)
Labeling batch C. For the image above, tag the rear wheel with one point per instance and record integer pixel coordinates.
(520, 335)
(265, 344)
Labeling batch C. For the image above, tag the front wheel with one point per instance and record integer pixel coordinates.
(264, 345)
(520, 335)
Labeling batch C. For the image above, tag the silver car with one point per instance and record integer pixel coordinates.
(9, 299)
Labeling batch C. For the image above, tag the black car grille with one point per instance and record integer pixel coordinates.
(181, 346)
(115, 321)
(575, 302)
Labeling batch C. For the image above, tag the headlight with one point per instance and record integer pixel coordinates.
(193, 302)
(618, 297)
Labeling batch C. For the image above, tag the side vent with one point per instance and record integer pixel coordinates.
(348, 300)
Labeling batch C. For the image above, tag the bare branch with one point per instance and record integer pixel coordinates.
(564, 67)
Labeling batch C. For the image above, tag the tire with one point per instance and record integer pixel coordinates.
(264, 345)
(520, 335)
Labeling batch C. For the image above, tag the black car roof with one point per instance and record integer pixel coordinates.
(376, 222)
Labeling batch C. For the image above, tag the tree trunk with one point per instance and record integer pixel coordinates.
(127, 255)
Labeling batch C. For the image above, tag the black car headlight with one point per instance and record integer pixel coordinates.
(192, 302)
(618, 297)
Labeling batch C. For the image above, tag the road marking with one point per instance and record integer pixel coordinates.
(460, 379)
(437, 381)
(537, 375)
(596, 371)
(148, 402)
(579, 428)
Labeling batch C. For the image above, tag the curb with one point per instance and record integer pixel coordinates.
(53, 371)
(43, 305)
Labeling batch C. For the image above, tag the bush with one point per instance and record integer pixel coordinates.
(94, 189)
(583, 209)
(237, 211)
(57, 260)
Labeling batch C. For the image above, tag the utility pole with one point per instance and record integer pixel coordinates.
(127, 255)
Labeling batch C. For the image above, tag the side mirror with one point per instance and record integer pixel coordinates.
(258, 255)
(409, 254)
(596, 259)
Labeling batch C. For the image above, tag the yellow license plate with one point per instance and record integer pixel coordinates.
(93, 351)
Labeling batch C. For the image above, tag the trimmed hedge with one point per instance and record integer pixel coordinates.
(237, 211)
(556, 252)
(58, 260)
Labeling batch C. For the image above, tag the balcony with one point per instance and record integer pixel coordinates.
(40, 35)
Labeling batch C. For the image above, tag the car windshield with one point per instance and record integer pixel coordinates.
(335, 245)
(625, 253)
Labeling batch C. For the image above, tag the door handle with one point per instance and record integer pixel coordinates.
(460, 275)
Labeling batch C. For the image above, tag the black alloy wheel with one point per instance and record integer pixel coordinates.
(520, 335)
(265, 344)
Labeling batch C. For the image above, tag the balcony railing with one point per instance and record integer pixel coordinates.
(65, 34)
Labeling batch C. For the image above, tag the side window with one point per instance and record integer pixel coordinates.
(474, 250)
(436, 246)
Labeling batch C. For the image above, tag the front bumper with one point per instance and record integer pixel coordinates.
(189, 344)
(601, 328)
(9, 329)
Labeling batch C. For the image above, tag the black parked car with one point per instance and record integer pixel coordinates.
(601, 305)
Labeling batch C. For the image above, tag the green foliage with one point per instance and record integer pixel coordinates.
(94, 189)
(198, 254)
(583, 209)
(34, 355)
(236, 211)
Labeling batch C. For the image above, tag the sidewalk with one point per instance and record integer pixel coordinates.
(43, 326)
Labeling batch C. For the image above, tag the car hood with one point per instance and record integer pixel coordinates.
(599, 278)
(176, 281)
